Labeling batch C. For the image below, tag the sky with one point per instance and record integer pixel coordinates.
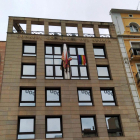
(86, 10)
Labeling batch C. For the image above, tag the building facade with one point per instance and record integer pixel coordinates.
(39, 101)
(127, 27)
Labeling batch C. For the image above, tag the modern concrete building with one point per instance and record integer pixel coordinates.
(89, 100)
(127, 27)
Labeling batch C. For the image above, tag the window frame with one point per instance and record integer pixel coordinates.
(104, 76)
(53, 53)
(51, 132)
(27, 88)
(29, 44)
(114, 130)
(130, 15)
(18, 127)
(79, 88)
(53, 88)
(89, 116)
(78, 66)
(33, 76)
(114, 97)
(100, 47)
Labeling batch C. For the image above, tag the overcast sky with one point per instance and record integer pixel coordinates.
(87, 10)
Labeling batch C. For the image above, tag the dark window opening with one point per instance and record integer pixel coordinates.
(99, 52)
(29, 49)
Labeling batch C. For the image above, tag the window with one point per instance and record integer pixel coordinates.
(54, 30)
(28, 71)
(88, 126)
(103, 72)
(135, 48)
(71, 31)
(130, 15)
(29, 49)
(108, 97)
(27, 97)
(104, 32)
(53, 63)
(54, 127)
(26, 128)
(99, 52)
(84, 97)
(78, 63)
(53, 97)
(37, 28)
(88, 32)
(134, 27)
(113, 126)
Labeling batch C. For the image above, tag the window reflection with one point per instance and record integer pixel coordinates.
(99, 52)
(28, 70)
(48, 50)
(29, 49)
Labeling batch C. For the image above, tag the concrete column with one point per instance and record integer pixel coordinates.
(10, 25)
(112, 31)
(80, 30)
(28, 26)
(96, 30)
(63, 28)
(46, 28)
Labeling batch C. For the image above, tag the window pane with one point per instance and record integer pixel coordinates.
(102, 71)
(28, 69)
(48, 50)
(58, 71)
(29, 49)
(26, 136)
(107, 95)
(83, 71)
(98, 52)
(112, 123)
(57, 61)
(85, 104)
(108, 104)
(26, 125)
(84, 95)
(48, 56)
(57, 50)
(88, 123)
(48, 61)
(74, 71)
(52, 95)
(57, 56)
(49, 70)
(72, 51)
(53, 124)
(74, 62)
(53, 104)
(28, 95)
(81, 51)
(54, 135)
(27, 104)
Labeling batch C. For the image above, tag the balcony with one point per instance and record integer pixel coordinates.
(138, 78)
(135, 53)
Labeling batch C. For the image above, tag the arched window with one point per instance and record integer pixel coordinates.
(134, 27)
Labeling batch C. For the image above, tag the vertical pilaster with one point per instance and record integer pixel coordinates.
(112, 31)
(10, 25)
(46, 27)
(63, 28)
(96, 30)
(80, 31)
(28, 26)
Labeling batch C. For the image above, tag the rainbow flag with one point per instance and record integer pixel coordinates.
(81, 60)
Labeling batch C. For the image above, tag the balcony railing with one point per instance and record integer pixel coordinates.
(88, 35)
(55, 33)
(72, 34)
(134, 52)
(138, 77)
(37, 32)
(105, 35)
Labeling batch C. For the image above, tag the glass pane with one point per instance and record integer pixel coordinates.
(108, 104)
(57, 61)
(28, 95)
(52, 95)
(57, 56)
(74, 62)
(48, 50)
(85, 104)
(72, 51)
(57, 50)
(53, 124)
(48, 56)
(28, 69)
(84, 95)
(49, 70)
(99, 56)
(74, 71)
(74, 57)
(107, 95)
(83, 71)
(26, 125)
(26, 136)
(54, 135)
(27, 104)
(58, 71)
(48, 61)
(29, 49)
(112, 123)
(88, 123)
(98, 52)
(81, 51)
(102, 71)
(53, 104)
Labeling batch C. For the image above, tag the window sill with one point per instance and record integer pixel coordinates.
(134, 32)
(22, 77)
(29, 55)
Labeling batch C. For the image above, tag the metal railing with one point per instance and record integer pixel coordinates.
(105, 35)
(88, 35)
(55, 33)
(37, 32)
(72, 34)
(138, 77)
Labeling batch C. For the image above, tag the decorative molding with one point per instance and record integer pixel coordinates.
(126, 60)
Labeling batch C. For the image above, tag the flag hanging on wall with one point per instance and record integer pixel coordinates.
(81, 60)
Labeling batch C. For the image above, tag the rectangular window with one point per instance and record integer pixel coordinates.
(29, 49)
(113, 126)
(71, 31)
(53, 97)
(78, 63)
(53, 63)
(99, 52)
(84, 97)
(88, 126)
(26, 128)
(54, 127)
(136, 48)
(108, 97)
(27, 97)
(28, 71)
(103, 72)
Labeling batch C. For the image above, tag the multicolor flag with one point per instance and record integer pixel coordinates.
(81, 60)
